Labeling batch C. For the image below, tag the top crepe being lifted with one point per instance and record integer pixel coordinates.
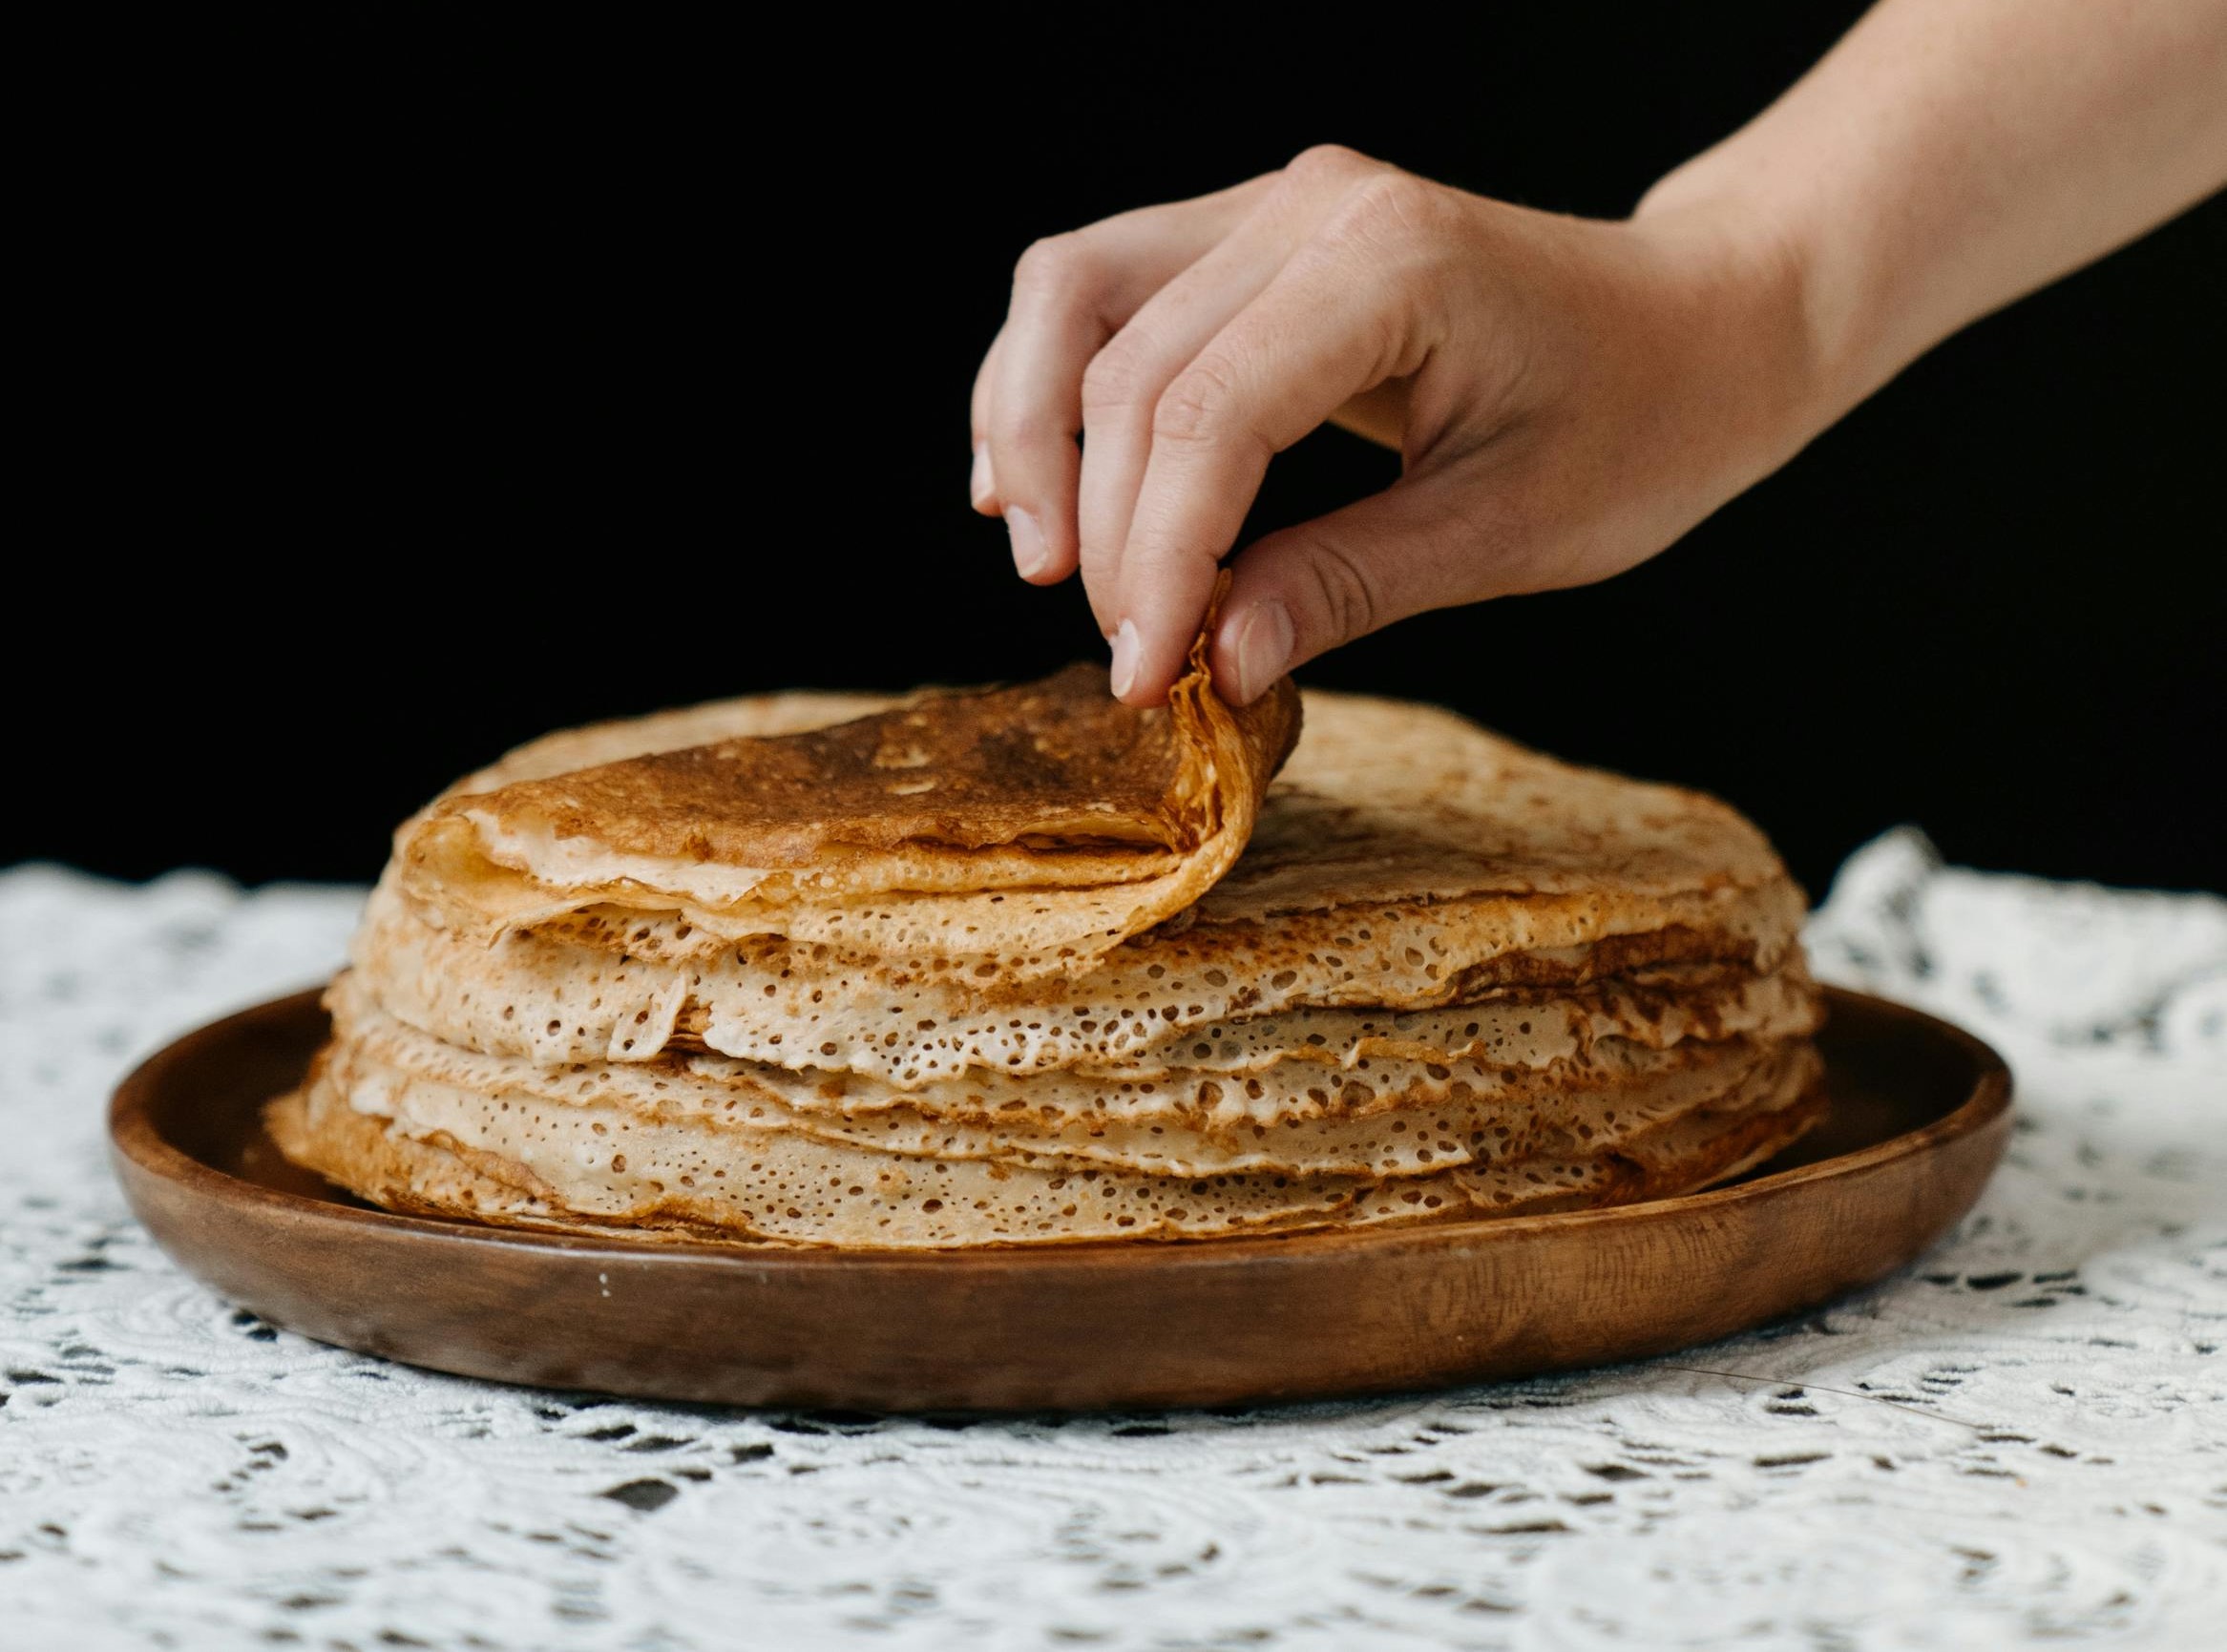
(1034, 826)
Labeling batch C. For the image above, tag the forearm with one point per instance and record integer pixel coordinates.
(1950, 156)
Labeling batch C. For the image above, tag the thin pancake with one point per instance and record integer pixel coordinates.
(1301, 1065)
(597, 988)
(920, 979)
(1032, 828)
(1462, 1114)
(595, 1165)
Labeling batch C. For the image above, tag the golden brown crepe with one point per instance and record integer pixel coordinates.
(1294, 1115)
(991, 969)
(1405, 860)
(1026, 829)
(423, 1146)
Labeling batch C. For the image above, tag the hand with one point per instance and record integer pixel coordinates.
(1567, 396)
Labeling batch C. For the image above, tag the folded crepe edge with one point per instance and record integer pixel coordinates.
(446, 868)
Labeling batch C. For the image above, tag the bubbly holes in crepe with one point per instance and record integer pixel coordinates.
(1351, 1027)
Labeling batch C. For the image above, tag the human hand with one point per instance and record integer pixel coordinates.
(1567, 395)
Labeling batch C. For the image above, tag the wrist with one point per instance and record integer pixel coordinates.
(1749, 319)
(1830, 238)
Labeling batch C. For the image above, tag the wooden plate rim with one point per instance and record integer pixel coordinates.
(133, 1135)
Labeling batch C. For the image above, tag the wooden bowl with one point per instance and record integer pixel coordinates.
(1920, 1112)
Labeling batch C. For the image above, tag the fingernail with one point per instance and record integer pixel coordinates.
(1124, 658)
(979, 484)
(1029, 553)
(1264, 648)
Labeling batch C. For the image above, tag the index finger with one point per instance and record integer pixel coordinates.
(1070, 295)
(1324, 331)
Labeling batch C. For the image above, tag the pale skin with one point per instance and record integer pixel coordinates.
(1568, 396)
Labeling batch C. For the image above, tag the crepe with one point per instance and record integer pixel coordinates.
(1407, 860)
(571, 1005)
(724, 973)
(1024, 830)
(423, 1146)
(1382, 1117)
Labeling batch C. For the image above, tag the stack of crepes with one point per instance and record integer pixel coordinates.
(1028, 966)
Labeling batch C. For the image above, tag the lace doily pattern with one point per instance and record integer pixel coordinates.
(2021, 1440)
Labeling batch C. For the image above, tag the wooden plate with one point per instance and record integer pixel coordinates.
(1920, 1112)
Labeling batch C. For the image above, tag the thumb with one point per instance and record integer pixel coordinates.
(1425, 542)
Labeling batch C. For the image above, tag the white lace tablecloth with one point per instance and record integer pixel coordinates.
(2024, 1438)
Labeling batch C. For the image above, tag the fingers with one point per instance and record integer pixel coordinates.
(1331, 326)
(1124, 381)
(1070, 294)
(1421, 544)
(1064, 290)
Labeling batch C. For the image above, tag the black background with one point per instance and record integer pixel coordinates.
(416, 397)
